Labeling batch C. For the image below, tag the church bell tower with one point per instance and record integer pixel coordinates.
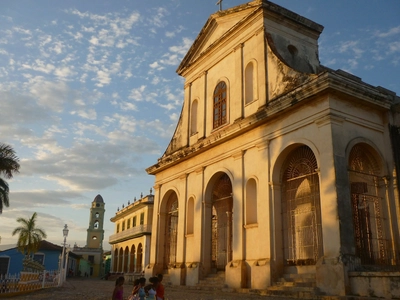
(95, 232)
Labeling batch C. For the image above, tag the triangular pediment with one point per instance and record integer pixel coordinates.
(216, 28)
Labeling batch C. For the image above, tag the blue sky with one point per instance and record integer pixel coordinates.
(89, 96)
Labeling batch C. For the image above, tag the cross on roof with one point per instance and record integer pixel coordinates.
(220, 4)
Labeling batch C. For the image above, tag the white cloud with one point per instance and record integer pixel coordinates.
(94, 40)
(171, 60)
(89, 114)
(126, 123)
(103, 78)
(389, 33)
(158, 18)
(22, 30)
(137, 94)
(154, 65)
(64, 72)
(40, 66)
(128, 106)
(50, 95)
(83, 77)
(394, 47)
(57, 47)
(156, 80)
(183, 48)
(171, 34)
(174, 117)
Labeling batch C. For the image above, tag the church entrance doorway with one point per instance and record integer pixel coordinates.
(221, 223)
(171, 231)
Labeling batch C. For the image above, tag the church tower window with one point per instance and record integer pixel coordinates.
(220, 102)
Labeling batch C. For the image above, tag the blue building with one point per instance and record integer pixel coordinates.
(48, 255)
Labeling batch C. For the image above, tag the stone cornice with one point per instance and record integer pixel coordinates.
(326, 83)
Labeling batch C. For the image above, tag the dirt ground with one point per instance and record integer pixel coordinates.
(95, 289)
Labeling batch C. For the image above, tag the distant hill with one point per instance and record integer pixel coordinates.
(6, 247)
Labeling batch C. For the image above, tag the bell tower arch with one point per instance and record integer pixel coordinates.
(95, 232)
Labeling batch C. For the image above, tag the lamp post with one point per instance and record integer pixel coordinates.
(62, 270)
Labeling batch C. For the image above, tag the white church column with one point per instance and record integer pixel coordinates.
(393, 238)
(330, 272)
(188, 90)
(236, 269)
(205, 106)
(177, 273)
(239, 80)
(155, 265)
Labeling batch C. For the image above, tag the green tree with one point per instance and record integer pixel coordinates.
(8, 166)
(29, 235)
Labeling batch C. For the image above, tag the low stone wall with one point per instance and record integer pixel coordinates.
(375, 284)
(27, 282)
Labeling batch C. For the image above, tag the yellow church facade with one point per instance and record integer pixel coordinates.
(278, 165)
(131, 239)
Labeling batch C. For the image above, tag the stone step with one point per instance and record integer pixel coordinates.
(211, 288)
(296, 283)
(295, 286)
(300, 294)
(303, 276)
(166, 280)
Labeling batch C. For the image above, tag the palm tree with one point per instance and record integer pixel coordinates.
(29, 235)
(8, 165)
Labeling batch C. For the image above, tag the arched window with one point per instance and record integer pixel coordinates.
(96, 225)
(120, 259)
(132, 260)
(301, 209)
(190, 216)
(251, 202)
(367, 188)
(126, 258)
(139, 261)
(250, 84)
(115, 260)
(220, 105)
(193, 120)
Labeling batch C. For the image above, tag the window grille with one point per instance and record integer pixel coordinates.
(367, 189)
(301, 211)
